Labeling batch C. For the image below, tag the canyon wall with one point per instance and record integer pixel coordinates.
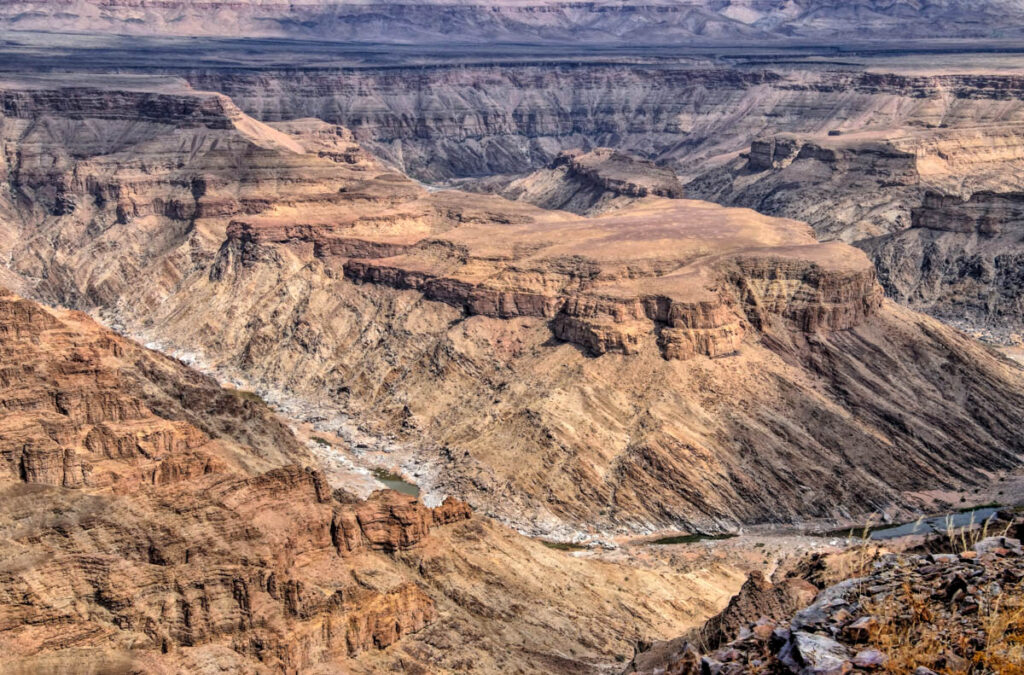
(188, 511)
(441, 121)
(669, 363)
(937, 210)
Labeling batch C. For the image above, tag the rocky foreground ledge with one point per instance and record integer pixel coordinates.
(957, 609)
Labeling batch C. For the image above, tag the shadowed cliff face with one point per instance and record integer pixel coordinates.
(480, 119)
(667, 363)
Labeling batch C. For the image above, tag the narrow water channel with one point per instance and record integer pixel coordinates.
(937, 524)
(396, 482)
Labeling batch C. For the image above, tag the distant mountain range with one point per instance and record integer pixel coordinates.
(535, 21)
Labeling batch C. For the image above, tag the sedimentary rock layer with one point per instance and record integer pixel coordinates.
(618, 282)
(187, 517)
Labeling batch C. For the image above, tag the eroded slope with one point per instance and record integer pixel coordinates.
(156, 523)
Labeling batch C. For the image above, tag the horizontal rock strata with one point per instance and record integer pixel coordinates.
(173, 515)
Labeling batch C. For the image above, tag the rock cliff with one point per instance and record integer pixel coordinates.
(936, 210)
(960, 260)
(182, 537)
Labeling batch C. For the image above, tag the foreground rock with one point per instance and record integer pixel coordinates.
(671, 363)
(937, 612)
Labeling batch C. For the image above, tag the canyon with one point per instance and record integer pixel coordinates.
(505, 351)
(873, 132)
(638, 303)
(155, 522)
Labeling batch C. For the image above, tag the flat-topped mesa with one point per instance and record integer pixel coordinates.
(986, 213)
(621, 173)
(687, 278)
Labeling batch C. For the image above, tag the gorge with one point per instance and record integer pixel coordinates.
(445, 337)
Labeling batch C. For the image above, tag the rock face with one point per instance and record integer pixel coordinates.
(937, 211)
(180, 538)
(669, 363)
(624, 281)
(960, 260)
(84, 408)
(545, 21)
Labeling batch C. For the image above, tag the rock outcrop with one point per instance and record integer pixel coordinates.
(148, 509)
(592, 182)
(904, 612)
(84, 408)
(936, 210)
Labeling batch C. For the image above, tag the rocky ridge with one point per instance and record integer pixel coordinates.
(541, 21)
